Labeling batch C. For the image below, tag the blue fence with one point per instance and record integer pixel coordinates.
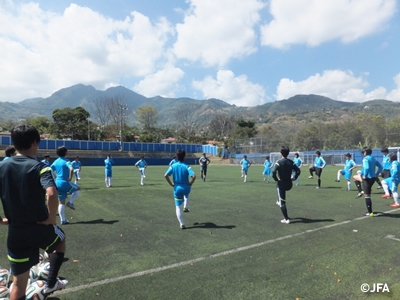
(110, 146)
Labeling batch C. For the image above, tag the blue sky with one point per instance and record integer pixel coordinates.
(245, 53)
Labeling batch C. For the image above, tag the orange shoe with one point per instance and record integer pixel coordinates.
(395, 205)
(385, 196)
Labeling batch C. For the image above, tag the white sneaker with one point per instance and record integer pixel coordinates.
(60, 284)
(141, 183)
(309, 177)
(284, 221)
(277, 203)
(317, 187)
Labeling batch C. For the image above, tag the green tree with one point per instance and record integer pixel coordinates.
(71, 123)
(42, 124)
(147, 116)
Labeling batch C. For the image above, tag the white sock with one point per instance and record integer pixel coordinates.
(141, 179)
(245, 178)
(338, 175)
(298, 180)
(185, 201)
(106, 181)
(348, 185)
(179, 214)
(61, 212)
(385, 187)
(396, 197)
(74, 196)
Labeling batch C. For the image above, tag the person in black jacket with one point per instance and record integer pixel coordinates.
(284, 172)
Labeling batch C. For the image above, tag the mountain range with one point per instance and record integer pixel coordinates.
(297, 108)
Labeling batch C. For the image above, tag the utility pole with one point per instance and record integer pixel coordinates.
(123, 108)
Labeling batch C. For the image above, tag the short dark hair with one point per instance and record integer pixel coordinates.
(393, 156)
(245, 156)
(347, 155)
(77, 156)
(181, 154)
(46, 156)
(62, 151)
(296, 154)
(367, 150)
(385, 149)
(23, 136)
(10, 151)
(318, 152)
(285, 151)
(267, 157)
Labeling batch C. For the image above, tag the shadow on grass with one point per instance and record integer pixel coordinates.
(381, 214)
(307, 220)
(98, 221)
(210, 225)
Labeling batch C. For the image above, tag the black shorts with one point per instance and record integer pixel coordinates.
(318, 171)
(204, 170)
(23, 244)
(385, 174)
(282, 187)
(367, 184)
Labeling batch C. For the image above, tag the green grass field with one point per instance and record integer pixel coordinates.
(125, 242)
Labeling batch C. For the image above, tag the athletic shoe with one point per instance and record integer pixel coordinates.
(284, 221)
(186, 210)
(264, 179)
(317, 187)
(379, 187)
(277, 203)
(359, 195)
(64, 222)
(310, 177)
(337, 180)
(369, 214)
(385, 196)
(395, 205)
(141, 183)
(71, 205)
(60, 284)
(183, 227)
(242, 175)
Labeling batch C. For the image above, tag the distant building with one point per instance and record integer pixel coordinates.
(169, 140)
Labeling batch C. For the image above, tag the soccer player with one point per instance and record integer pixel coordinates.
(204, 162)
(349, 166)
(10, 151)
(267, 169)
(181, 173)
(77, 166)
(24, 183)
(283, 172)
(319, 164)
(46, 160)
(108, 162)
(391, 183)
(141, 164)
(63, 171)
(386, 165)
(358, 182)
(245, 164)
(370, 170)
(299, 163)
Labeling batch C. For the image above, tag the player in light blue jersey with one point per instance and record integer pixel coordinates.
(63, 171)
(349, 166)
(46, 160)
(370, 170)
(319, 164)
(108, 163)
(267, 169)
(174, 160)
(77, 166)
(10, 151)
(299, 163)
(391, 183)
(245, 164)
(181, 173)
(141, 164)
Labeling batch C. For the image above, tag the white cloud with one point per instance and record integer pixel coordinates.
(233, 90)
(214, 32)
(313, 22)
(337, 85)
(47, 51)
(162, 83)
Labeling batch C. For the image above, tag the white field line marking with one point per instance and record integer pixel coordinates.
(196, 260)
(392, 237)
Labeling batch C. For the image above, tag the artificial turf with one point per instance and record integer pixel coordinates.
(125, 242)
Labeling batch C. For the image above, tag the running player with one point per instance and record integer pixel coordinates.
(282, 172)
(204, 162)
(181, 173)
(245, 164)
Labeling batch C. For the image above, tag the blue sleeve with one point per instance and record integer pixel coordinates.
(378, 164)
(323, 163)
(191, 172)
(169, 171)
